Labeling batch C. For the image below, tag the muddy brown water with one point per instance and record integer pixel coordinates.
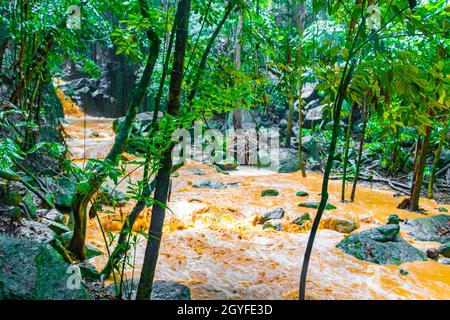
(212, 245)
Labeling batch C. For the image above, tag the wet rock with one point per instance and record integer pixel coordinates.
(404, 272)
(273, 214)
(56, 227)
(52, 214)
(208, 184)
(381, 245)
(34, 231)
(385, 233)
(162, 290)
(198, 172)
(315, 205)
(344, 225)
(432, 253)
(227, 166)
(270, 193)
(234, 185)
(302, 194)
(88, 271)
(273, 224)
(445, 250)
(434, 229)
(394, 219)
(302, 219)
(34, 271)
(283, 124)
(288, 161)
(308, 144)
(95, 134)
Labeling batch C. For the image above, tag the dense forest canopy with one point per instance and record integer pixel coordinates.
(357, 90)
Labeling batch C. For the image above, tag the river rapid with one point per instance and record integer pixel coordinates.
(212, 244)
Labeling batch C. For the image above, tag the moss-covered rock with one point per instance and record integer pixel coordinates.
(32, 270)
(381, 245)
(302, 219)
(394, 219)
(273, 224)
(56, 227)
(270, 193)
(13, 198)
(445, 250)
(302, 194)
(315, 205)
(272, 214)
(435, 229)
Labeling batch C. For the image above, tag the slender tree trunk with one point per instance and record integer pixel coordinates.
(346, 152)
(82, 200)
(163, 76)
(418, 175)
(437, 159)
(345, 80)
(301, 12)
(360, 151)
(163, 175)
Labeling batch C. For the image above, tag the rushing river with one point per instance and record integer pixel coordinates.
(212, 245)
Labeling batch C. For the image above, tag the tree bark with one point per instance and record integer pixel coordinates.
(346, 152)
(418, 174)
(163, 175)
(360, 151)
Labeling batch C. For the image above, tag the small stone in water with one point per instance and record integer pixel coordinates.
(270, 193)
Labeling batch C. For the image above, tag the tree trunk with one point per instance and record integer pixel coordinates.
(437, 159)
(345, 80)
(82, 200)
(346, 152)
(360, 151)
(418, 174)
(163, 175)
(301, 12)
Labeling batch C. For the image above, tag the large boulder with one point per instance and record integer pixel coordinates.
(31, 270)
(381, 245)
(435, 229)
